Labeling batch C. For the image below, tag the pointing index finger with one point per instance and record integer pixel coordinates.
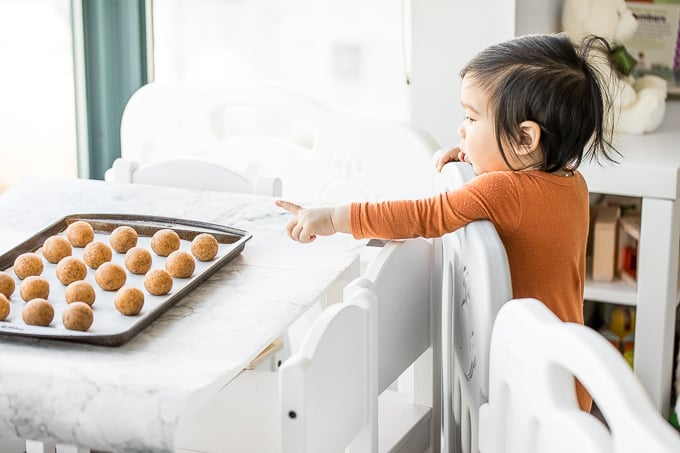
(288, 206)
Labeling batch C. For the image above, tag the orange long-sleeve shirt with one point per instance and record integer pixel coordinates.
(541, 218)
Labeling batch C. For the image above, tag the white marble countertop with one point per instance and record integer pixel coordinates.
(129, 398)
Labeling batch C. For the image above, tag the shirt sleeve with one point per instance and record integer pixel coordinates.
(494, 196)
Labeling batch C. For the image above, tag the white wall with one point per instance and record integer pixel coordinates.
(537, 16)
(446, 34)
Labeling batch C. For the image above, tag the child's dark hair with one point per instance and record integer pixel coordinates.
(548, 80)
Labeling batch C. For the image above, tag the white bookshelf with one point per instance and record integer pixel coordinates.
(649, 169)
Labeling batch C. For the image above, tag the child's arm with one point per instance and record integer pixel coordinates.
(306, 224)
(450, 155)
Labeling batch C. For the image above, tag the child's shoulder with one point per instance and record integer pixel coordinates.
(518, 177)
(503, 183)
(527, 181)
(498, 177)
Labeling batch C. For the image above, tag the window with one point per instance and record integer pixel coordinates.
(37, 111)
(348, 53)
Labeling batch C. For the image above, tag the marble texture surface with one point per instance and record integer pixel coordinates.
(130, 398)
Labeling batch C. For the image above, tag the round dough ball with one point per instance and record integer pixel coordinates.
(96, 253)
(129, 301)
(204, 247)
(80, 233)
(28, 264)
(77, 316)
(110, 276)
(138, 260)
(34, 287)
(7, 285)
(80, 291)
(4, 307)
(38, 312)
(180, 264)
(164, 242)
(70, 269)
(123, 239)
(55, 248)
(158, 282)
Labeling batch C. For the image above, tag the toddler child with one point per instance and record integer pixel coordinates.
(535, 106)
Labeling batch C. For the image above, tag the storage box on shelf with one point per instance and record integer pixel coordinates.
(604, 242)
(615, 233)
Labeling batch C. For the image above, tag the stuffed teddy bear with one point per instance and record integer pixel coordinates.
(639, 104)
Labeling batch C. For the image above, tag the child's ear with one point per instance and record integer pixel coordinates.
(531, 137)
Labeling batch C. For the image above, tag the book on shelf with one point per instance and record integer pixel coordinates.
(656, 43)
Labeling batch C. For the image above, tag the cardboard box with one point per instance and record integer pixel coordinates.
(605, 243)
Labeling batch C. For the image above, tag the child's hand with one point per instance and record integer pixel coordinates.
(450, 155)
(306, 224)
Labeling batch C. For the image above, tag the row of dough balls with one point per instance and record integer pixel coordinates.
(163, 242)
(109, 276)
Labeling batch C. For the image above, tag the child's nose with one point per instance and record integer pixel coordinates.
(461, 130)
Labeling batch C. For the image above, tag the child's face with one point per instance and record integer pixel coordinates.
(478, 140)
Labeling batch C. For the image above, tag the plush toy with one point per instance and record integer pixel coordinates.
(639, 104)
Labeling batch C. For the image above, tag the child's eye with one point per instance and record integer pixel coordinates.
(469, 119)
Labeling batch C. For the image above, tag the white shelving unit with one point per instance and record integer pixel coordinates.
(616, 292)
(649, 169)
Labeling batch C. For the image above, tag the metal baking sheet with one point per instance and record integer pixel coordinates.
(111, 328)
